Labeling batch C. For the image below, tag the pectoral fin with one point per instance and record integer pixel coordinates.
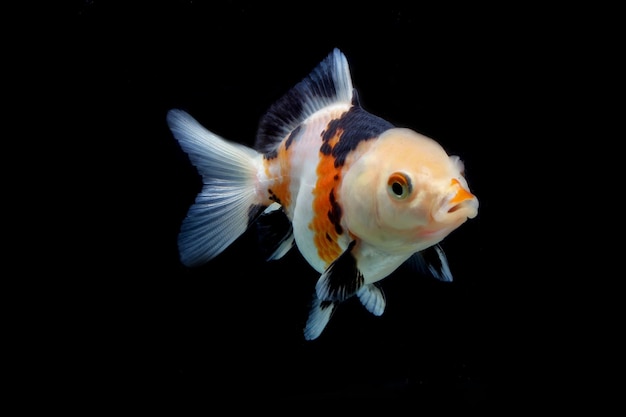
(372, 299)
(342, 279)
(432, 261)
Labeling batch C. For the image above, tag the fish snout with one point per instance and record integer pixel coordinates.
(459, 203)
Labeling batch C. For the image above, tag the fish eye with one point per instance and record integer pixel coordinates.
(399, 185)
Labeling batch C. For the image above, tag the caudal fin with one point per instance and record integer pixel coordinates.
(227, 203)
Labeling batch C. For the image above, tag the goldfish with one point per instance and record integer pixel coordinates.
(359, 196)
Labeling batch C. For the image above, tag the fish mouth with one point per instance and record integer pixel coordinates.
(468, 208)
(451, 214)
(458, 204)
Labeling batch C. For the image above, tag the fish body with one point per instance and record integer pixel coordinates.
(361, 196)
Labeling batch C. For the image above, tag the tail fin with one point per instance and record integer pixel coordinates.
(227, 203)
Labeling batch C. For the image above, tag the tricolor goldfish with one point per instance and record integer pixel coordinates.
(362, 196)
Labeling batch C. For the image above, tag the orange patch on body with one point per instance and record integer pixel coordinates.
(280, 181)
(325, 231)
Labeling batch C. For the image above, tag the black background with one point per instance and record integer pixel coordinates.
(142, 329)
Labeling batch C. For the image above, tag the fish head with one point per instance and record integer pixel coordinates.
(406, 193)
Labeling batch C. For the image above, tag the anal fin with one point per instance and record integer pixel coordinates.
(319, 316)
(275, 232)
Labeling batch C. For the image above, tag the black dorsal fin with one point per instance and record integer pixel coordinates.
(328, 84)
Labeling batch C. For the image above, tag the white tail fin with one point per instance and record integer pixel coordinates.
(227, 203)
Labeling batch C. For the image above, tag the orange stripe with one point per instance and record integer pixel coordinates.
(328, 178)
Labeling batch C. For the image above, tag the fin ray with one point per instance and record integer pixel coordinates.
(372, 298)
(319, 316)
(342, 279)
(226, 205)
(275, 232)
(432, 261)
(329, 83)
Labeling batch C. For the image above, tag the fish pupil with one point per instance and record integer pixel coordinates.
(397, 188)
(399, 185)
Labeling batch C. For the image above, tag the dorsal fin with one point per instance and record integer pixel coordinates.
(328, 84)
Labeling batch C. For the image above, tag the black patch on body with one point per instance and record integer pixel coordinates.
(335, 212)
(356, 125)
(294, 133)
(273, 196)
